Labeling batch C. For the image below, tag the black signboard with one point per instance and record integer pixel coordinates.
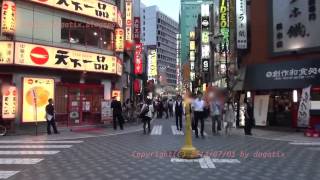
(284, 75)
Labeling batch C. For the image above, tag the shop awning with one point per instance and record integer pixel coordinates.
(283, 75)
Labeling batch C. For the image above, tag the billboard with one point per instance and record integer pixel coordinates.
(96, 9)
(36, 93)
(136, 29)
(59, 58)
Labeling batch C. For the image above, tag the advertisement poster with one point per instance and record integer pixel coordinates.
(36, 93)
(58, 58)
(152, 63)
(119, 40)
(261, 104)
(106, 111)
(9, 102)
(304, 108)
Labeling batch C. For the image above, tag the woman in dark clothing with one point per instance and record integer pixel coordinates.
(249, 119)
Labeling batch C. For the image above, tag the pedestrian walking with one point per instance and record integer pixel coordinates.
(170, 107)
(179, 112)
(229, 118)
(216, 115)
(146, 115)
(165, 107)
(249, 119)
(198, 106)
(50, 117)
(117, 113)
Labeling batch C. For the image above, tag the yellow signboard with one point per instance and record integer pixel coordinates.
(192, 45)
(119, 40)
(58, 58)
(9, 102)
(6, 52)
(36, 93)
(152, 63)
(192, 35)
(93, 8)
(8, 17)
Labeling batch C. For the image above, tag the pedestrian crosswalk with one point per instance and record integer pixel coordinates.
(175, 131)
(157, 130)
(18, 153)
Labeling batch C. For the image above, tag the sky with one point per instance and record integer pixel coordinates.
(168, 7)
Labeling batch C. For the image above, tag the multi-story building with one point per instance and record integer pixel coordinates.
(62, 50)
(159, 30)
(281, 60)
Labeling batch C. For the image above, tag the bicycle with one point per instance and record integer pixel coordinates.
(3, 130)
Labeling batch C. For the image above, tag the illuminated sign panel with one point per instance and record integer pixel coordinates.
(117, 94)
(152, 63)
(6, 52)
(129, 20)
(138, 61)
(9, 102)
(58, 58)
(119, 38)
(119, 67)
(224, 21)
(205, 37)
(241, 9)
(119, 20)
(36, 93)
(136, 29)
(205, 54)
(192, 56)
(93, 8)
(8, 17)
(192, 45)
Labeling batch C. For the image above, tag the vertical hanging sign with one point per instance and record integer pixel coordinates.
(119, 38)
(224, 21)
(138, 65)
(8, 18)
(136, 29)
(241, 10)
(129, 20)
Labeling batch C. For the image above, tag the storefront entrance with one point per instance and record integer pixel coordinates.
(78, 104)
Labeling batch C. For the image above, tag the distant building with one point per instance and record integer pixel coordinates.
(159, 30)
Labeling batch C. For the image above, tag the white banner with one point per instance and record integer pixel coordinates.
(304, 108)
(261, 104)
(241, 9)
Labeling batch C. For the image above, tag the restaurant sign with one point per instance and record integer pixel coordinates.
(59, 58)
(93, 8)
(9, 102)
(6, 52)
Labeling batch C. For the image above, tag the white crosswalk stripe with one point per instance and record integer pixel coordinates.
(175, 131)
(206, 162)
(28, 152)
(35, 146)
(305, 143)
(156, 130)
(20, 160)
(40, 142)
(21, 148)
(7, 174)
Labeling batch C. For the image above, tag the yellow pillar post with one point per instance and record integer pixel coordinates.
(188, 151)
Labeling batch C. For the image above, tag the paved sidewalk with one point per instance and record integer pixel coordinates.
(66, 134)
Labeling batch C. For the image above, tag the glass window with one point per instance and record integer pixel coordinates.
(92, 36)
(77, 33)
(106, 39)
(65, 29)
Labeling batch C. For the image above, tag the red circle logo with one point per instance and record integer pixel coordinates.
(30, 81)
(39, 55)
(5, 6)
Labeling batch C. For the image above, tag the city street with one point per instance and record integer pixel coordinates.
(135, 156)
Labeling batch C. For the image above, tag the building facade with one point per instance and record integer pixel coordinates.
(63, 50)
(281, 60)
(159, 30)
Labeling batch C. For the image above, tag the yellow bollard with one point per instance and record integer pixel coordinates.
(188, 151)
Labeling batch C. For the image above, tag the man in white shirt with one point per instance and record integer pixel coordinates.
(198, 110)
